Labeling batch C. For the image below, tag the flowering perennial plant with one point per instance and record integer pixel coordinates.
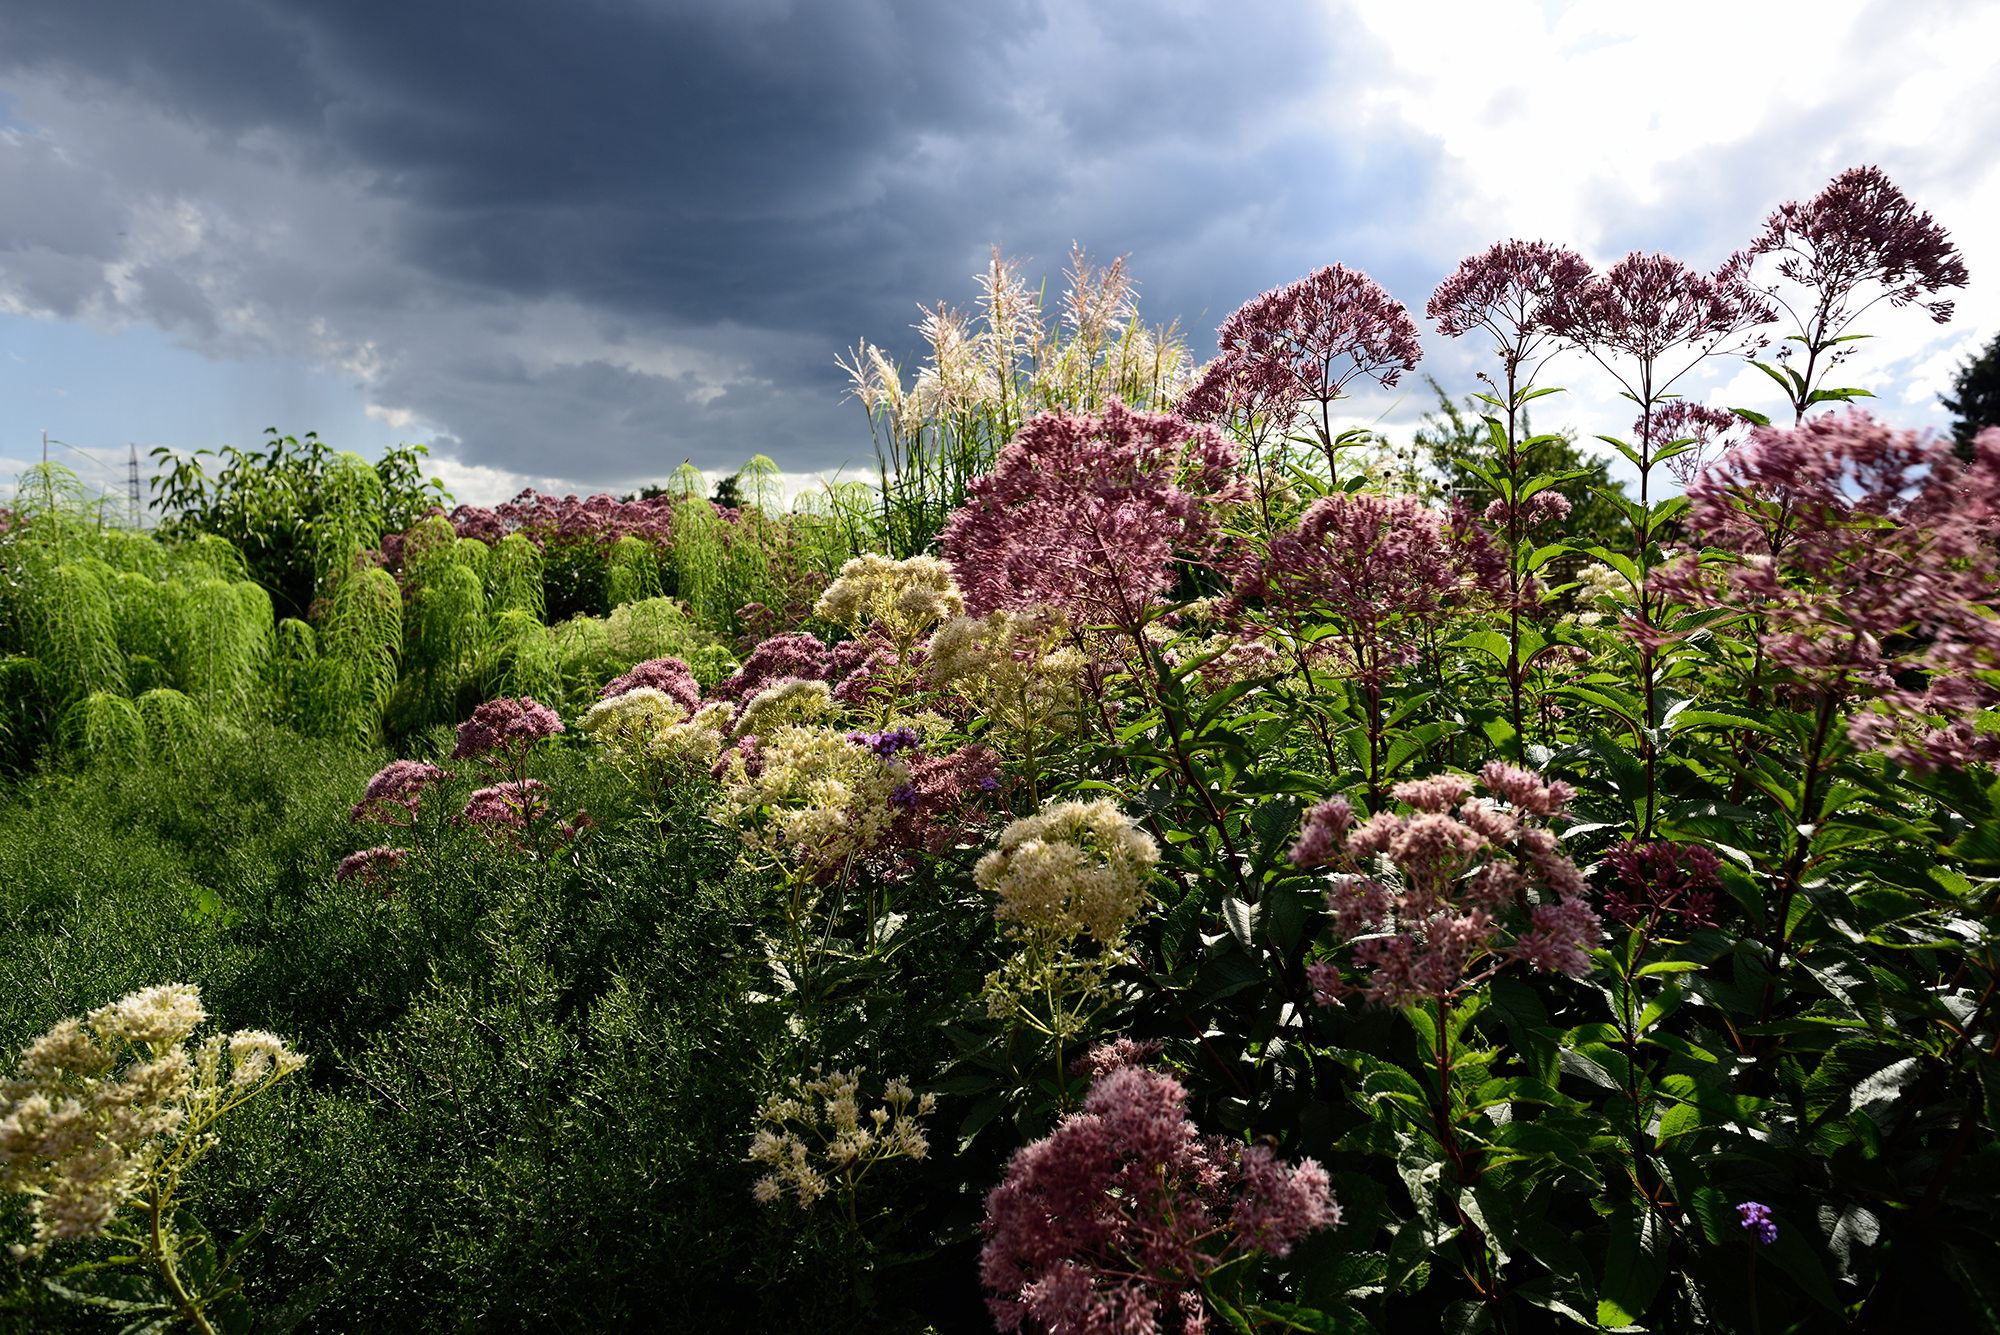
(1125, 1218)
(1077, 869)
(111, 1111)
(395, 793)
(904, 600)
(655, 739)
(814, 1138)
(502, 733)
(1424, 898)
(1086, 515)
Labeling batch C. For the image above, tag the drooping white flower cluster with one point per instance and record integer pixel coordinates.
(902, 599)
(99, 1107)
(815, 1130)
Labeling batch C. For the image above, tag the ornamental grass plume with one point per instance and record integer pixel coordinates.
(1124, 1216)
(501, 734)
(114, 1108)
(1076, 869)
(1424, 899)
(815, 1139)
(1866, 562)
(1087, 515)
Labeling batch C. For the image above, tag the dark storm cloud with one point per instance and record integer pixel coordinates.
(644, 229)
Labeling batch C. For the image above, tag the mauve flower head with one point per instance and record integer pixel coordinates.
(398, 786)
(670, 676)
(508, 728)
(1862, 229)
(794, 655)
(1684, 419)
(1755, 1218)
(507, 806)
(1649, 307)
(1436, 919)
(1868, 561)
(1660, 881)
(370, 863)
(1381, 568)
(1087, 514)
(1116, 1219)
(1504, 290)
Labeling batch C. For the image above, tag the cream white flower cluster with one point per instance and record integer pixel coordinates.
(1077, 869)
(1017, 665)
(1598, 585)
(815, 1130)
(646, 727)
(97, 1108)
(794, 701)
(903, 599)
(819, 799)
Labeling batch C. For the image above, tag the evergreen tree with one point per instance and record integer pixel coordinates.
(1976, 406)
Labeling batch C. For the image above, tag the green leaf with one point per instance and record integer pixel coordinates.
(1634, 1266)
(1337, 1320)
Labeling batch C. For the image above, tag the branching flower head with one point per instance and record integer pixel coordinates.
(1870, 561)
(100, 1109)
(1078, 867)
(1505, 290)
(1424, 898)
(814, 1136)
(1658, 882)
(501, 733)
(1017, 666)
(1117, 1220)
(793, 702)
(1381, 568)
(370, 864)
(1086, 515)
(514, 805)
(395, 793)
(1862, 230)
(650, 735)
(905, 599)
(816, 799)
(670, 676)
(1706, 429)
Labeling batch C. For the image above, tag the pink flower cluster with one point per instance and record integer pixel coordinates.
(1870, 561)
(1305, 342)
(370, 863)
(945, 799)
(502, 732)
(1662, 882)
(670, 676)
(394, 794)
(793, 656)
(1113, 1222)
(1458, 875)
(599, 520)
(1862, 229)
(1087, 515)
(507, 806)
(1506, 290)
(1382, 568)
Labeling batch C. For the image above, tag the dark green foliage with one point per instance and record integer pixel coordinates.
(1975, 401)
(299, 511)
(1454, 435)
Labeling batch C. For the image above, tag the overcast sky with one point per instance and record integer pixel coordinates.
(576, 243)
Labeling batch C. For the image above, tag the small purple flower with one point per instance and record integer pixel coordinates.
(905, 795)
(885, 744)
(1756, 1220)
(989, 784)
